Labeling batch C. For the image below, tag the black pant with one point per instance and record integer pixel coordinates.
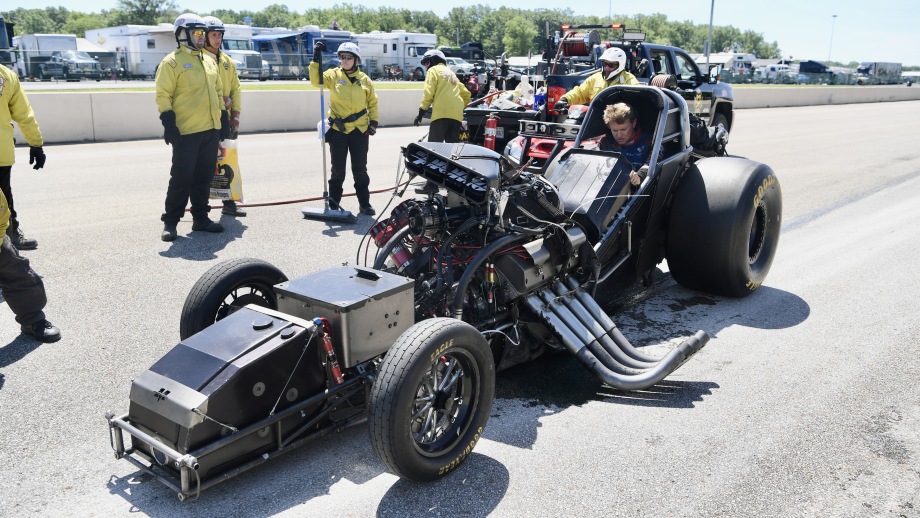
(340, 145)
(22, 288)
(445, 130)
(194, 161)
(5, 174)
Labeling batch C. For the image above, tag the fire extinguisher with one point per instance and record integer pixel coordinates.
(491, 130)
(331, 358)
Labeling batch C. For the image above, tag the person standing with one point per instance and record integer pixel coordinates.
(189, 98)
(231, 82)
(352, 120)
(447, 97)
(20, 286)
(14, 106)
(613, 72)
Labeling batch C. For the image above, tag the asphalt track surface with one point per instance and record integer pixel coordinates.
(804, 403)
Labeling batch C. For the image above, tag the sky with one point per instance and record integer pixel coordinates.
(882, 30)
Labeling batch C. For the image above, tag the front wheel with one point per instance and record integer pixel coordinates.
(224, 289)
(430, 403)
(724, 226)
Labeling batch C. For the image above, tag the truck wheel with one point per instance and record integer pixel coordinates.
(432, 397)
(224, 289)
(724, 226)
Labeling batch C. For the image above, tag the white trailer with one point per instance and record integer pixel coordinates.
(35, 51)
(382, 51)
(138, 49)
(238, 45)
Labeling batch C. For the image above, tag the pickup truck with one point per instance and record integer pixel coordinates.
(69, 65)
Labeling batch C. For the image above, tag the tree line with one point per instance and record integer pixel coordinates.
(514, 31)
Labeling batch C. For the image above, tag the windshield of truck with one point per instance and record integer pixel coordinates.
(686, 66)
(864, 68)
(75, 55)
(237, 45)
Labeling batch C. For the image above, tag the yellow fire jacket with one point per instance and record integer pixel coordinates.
(445, 93)
(14, 106)
(230, 79)
(583, 93)
(188, 83)
(348, 95)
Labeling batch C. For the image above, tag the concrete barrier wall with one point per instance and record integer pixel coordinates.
(114, 116)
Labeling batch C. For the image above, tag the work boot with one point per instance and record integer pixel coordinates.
(230, 209)
(429, 188)
(206, 225)
(169, 232)
(367, 210)
(42, 330)
(20, 241)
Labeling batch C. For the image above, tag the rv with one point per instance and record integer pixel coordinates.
(138, 49)
(289, 53)
(238, 45)
(383, 52)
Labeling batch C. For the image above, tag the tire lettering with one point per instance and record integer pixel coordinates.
(441, 348)
(766, 184)
(466, 451)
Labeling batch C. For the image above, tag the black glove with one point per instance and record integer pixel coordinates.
(418, 118)
(170, 131)
(371, 128)
(561, 105)
(37, 157)
(318, 51)
(224, 124)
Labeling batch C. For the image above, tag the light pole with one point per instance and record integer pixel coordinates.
(708, 49)
(833, 22)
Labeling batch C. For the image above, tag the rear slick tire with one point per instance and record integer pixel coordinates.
(724, 226)
(432, 397)
(225, 288)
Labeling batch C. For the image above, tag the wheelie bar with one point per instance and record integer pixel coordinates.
(588, 333)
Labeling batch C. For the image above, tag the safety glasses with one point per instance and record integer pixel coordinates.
(343, 57)
(614, 65)
(198, 32)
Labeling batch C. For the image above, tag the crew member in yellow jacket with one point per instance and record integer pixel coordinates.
(353, 119)
(189, 96)
(613, 72)
(14, 106)
(231, 82)
(21, 287)
(447, 97)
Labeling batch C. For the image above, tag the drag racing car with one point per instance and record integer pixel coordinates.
(497, 267)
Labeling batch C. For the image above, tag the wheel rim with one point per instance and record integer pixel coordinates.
(244, 294)
(758, 233)
(445, 401)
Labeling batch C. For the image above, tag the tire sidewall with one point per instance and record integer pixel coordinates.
(709, 235)
(412, 356)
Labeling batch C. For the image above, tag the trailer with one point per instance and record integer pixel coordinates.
(878, 73)
(383, 52)
(289, 53)
(138, 49)
(54, 56)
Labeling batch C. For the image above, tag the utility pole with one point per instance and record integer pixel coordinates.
(833, 23)
(712, 9)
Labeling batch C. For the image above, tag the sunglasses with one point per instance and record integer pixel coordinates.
(343, 57)
(608, 64)
(198, 32)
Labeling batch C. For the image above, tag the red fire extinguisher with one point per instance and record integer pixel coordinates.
(328, 349)
(491, 130)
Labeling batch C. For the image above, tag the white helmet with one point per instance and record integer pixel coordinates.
(614, 55)
(214, 24)
(183, 24)
(432, 57)
(351, 48)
